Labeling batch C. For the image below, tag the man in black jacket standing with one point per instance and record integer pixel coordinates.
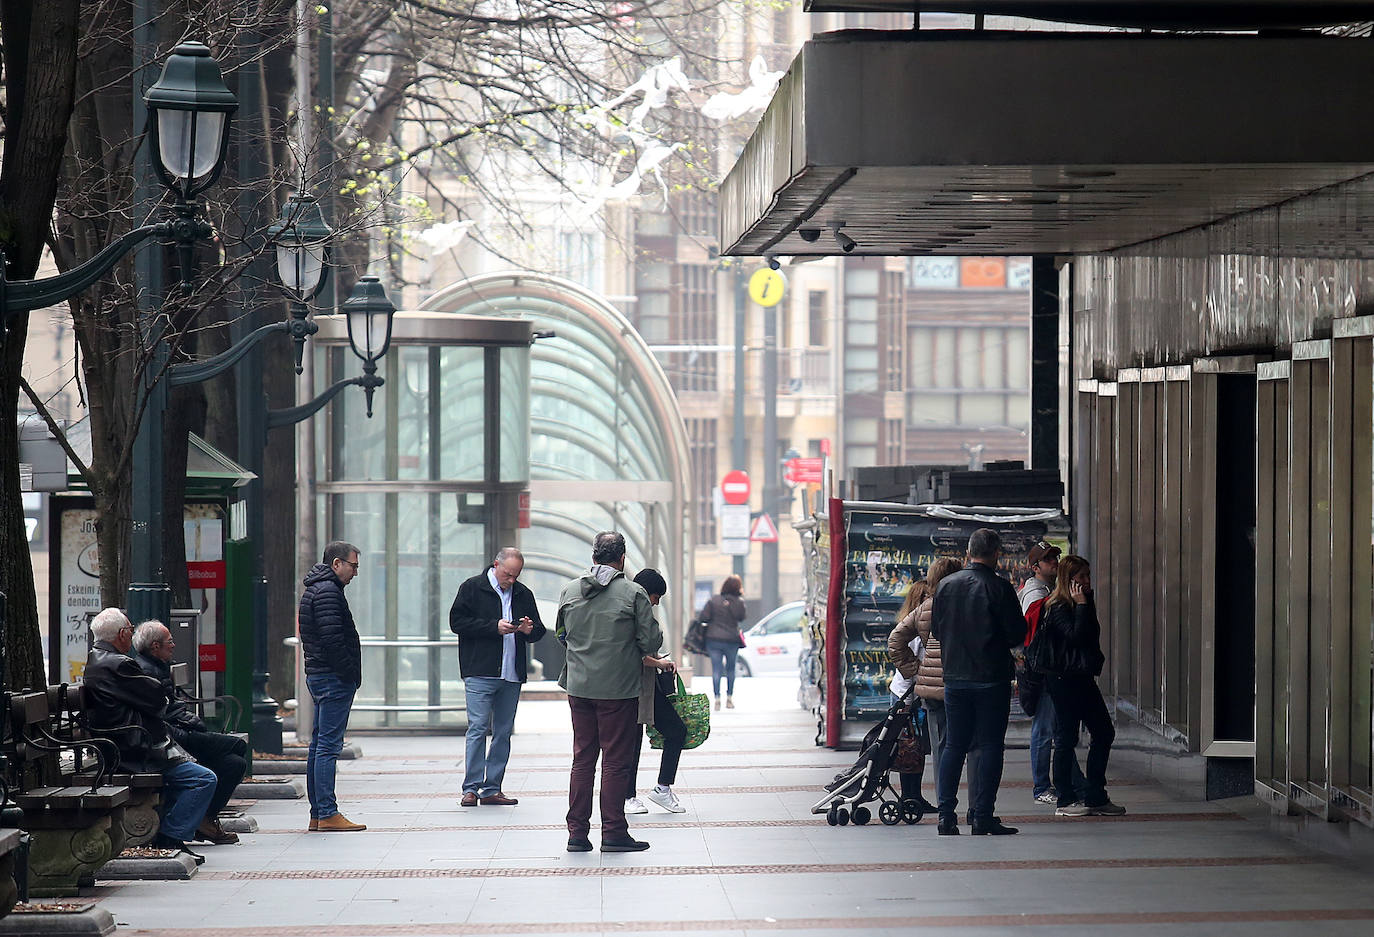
(333, 673)
(226, 755)
(127, 706)
(977, 620)
(496, 620)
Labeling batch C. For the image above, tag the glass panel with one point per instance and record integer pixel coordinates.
(460, 403)
(944, 357)
(861, 455)
(411, 385)
(515, 414)
(982, 410)
(861, 282)
(970, 351)
(357, 444)
(861, 429)
(861, 333)
(920, 357)
(924, 409)
(861, 310)
(1018, 359)
(1018, 410)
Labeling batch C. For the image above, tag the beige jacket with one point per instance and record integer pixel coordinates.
(930, 675)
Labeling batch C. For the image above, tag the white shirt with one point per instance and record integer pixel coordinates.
(507, 640)
(901, 684)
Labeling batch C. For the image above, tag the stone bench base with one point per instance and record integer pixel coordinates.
(267, 788)
(89, 921)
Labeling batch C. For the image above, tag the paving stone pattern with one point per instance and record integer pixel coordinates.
(748, 856)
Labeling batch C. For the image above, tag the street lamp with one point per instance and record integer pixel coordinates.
(369, 313)
(302, 237)
(189, 109)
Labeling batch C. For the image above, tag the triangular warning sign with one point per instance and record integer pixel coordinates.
(763, 530)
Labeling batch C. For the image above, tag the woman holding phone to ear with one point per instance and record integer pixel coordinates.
(1072, 663)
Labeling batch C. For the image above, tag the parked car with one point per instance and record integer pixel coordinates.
(772, 645)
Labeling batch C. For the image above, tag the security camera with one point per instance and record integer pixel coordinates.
(809, 235)
(847, 243)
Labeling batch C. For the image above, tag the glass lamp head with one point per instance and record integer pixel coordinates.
(188, 120)
(302, 238)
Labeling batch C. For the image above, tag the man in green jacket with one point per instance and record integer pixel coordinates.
(606, 623)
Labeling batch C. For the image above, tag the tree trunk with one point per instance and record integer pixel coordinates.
(40, 76)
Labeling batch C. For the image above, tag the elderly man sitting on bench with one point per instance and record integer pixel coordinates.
(226, 755)
(126, 706)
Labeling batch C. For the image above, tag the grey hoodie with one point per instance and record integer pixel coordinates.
(607, 625)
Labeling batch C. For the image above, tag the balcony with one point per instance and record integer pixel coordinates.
(805, 371)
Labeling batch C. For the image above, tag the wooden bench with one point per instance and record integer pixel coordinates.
(140, 818)
(75, 823)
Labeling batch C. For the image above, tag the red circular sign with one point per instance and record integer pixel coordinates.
(734, 487)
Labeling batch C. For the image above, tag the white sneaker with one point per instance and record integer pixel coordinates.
(667, 800)
(635, 805)
(1047, 797)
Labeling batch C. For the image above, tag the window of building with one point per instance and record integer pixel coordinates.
(817, 303)
(701, 435)
(694, 324)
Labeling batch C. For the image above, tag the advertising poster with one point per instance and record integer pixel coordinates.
(886, 553)
(78, 596)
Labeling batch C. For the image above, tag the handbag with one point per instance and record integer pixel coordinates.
(694, 709)
(742, 642)
(695, 639)
(913, 745)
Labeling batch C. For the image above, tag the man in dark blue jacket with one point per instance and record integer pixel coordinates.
(977, 620)
(333, 673)
(496, 620)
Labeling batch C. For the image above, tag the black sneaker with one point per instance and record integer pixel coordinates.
(949, 826)
(579, 844)
(995, 828)
(628, 844)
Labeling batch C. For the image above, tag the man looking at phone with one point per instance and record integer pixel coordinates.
(496, 620)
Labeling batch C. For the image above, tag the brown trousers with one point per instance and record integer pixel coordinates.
(608, 728)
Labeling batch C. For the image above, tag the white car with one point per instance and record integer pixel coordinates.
(772, 645)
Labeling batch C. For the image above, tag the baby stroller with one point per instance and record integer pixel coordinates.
(894, 743)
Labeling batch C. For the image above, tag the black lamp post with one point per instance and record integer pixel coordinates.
(369, 331)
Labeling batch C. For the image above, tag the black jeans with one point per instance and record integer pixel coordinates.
(674, 731)
(1078, 700)
(226, 755)
(974, 717)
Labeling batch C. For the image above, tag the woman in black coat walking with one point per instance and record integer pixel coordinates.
(722, 615)
(1072, 660)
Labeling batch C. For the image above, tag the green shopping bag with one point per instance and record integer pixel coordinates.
(695, 711)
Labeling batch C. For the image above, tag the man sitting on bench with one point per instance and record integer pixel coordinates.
(126, 706)
(226, 755)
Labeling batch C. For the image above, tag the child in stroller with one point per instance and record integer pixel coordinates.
(894, 744)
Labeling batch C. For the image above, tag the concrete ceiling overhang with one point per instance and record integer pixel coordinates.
(1039, 143)
(1150, 14)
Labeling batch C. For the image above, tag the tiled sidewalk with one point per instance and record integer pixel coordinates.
(747, 857)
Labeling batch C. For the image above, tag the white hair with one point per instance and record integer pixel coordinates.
(107, 624)
(149, 633)
(508, 553)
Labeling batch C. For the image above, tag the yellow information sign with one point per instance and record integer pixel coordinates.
(766, 286)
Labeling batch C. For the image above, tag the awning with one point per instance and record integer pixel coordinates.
(964, 143)
(208, 471)
(1154, 14)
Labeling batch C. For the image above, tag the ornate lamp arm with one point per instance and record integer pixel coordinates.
(193, 372)
(27, 295)
(290, 416)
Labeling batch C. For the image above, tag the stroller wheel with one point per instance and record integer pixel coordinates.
(890, 813)
(862, 815)
(832, 815)
(911, 810)
(842, 817)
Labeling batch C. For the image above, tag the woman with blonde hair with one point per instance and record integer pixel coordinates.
(1067, 648)
(903, 649)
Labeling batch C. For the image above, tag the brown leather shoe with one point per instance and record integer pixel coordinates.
(469, 800)
(314, 825)
(338, 824)
(499, 800)
(211, 832)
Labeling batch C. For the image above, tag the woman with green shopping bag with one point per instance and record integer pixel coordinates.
(656, 710)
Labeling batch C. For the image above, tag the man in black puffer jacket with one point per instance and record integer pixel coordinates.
(333, 673)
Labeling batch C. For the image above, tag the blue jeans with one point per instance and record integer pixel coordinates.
(975, 716)
(1041, 743)
(491, 704)
(723, 655)
(333, 698)
(187, 790)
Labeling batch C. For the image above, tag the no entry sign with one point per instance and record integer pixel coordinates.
(734, 487)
